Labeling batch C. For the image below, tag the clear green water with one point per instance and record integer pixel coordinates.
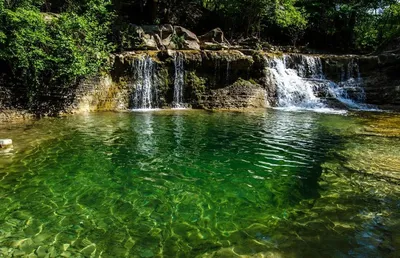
(200, 184)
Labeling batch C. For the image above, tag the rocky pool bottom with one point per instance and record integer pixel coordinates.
(202, 184)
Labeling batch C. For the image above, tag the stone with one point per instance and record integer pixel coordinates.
(166, 31)
(240, 95)
(214, 40)
(216, 35)
(188, 35)
(191, 45)
(250, 43)
(191, 42)
(154, 37)
(150, 42)
(4, 143)
(213, 46)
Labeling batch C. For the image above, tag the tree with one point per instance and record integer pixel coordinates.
(42, 50)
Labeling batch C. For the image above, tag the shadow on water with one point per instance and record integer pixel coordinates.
(186, 184)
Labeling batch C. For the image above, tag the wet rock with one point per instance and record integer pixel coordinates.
(11, 115)
(5, 143)
(242, 94)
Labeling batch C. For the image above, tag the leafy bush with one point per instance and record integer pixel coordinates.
(44, 50)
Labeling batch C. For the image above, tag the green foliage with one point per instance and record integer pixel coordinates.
(52, 43)
(45, 50)
(127, 36)
(179, 41)
(287, 15)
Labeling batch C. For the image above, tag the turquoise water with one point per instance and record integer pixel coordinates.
(202, 184)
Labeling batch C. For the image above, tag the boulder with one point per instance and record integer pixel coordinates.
(187, 34)
(163, 37)
(190, 40)
(216, 35)
(214, 40)
(211, 46)
(145, 33)
(250, 43)
(166, 31)
(150, 42)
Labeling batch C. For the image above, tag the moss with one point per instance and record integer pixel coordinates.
(245, 83)
(252, 81)
(197, 84)
(123, 81)
(164, 78)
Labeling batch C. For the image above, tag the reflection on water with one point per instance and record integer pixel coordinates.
(193, 183)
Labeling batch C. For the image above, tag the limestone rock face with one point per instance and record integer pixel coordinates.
(379, 74)
(240, 95)
(225, 79)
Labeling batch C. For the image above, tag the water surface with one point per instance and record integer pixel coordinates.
(202, 184)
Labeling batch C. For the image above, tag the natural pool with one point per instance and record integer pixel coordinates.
(202, 184)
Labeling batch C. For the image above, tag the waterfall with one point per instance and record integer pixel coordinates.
(179, 81)
(300, 83)
(228, 68)
(145, 95)
(293, 87)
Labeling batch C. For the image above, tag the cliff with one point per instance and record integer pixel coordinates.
(223, 79)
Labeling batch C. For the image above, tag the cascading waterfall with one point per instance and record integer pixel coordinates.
(145, 95)
(292, 89)
(179, 80)
(350, 91)
(300, 83)
(228, 68)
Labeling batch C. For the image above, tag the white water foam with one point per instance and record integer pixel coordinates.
(301, 85)
(179, 81)
(145, 90)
